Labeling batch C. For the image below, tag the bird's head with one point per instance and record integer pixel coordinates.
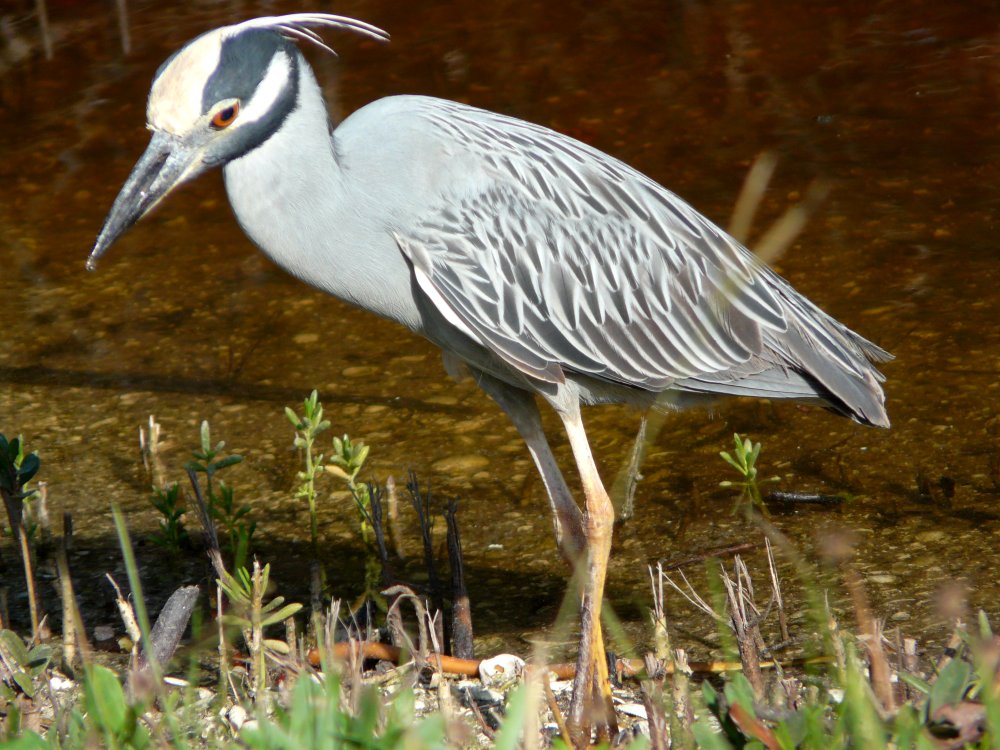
(218, 97)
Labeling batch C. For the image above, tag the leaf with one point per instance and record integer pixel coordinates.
(278, 647)
(711, 699)
(739, 691)
(14, 646)
(228, 461)
(752, 726)
(282, 614)
(24, 682)
(206, 437)
(514, 721)
(14, 450)
(27, 741)
(39, 658)
(985, 631)
(293, 418)
(29, 467)
(105, 699)
(709, 738)
(950, 685)
(918, 684)
(336, 470)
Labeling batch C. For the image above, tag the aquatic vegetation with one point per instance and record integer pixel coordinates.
(172, 534)
(234, 520)
(308, 427)
(744, 460)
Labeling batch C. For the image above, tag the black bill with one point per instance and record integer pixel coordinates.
(166, 163)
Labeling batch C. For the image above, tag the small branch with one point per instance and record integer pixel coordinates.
(461, 611)
(127, 614)
(776, 589)
(74, 633)
(377, 520)
(421, 503)
(29, 579)
(661, 637)
(170, 625)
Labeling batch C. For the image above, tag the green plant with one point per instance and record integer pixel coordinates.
(21, 667)
(307, 428)
(16, 470)
(348, 459)
(246, 592)
(236, 525)
(744, 460)
(172, 534)
(315, 717)
(110, 717)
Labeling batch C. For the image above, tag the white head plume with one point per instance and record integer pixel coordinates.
(300, 26)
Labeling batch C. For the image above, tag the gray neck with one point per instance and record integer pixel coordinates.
(308, 213)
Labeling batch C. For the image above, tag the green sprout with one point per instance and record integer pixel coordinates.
(16, 470)
(172, 534)
(307, 428)
(235, 523)
(347, 460)
(252, 615)
(744, 460)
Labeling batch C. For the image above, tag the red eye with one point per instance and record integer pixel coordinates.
(224, 117)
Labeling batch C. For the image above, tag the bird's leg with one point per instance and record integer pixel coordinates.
(567, 519)
(591, 679)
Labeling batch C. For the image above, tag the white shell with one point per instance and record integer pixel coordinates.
(501, 670)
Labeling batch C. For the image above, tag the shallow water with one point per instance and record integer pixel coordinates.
(893, 107)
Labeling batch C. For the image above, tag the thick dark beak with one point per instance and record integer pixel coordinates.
(166, 163)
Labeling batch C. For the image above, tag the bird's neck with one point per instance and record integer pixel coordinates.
(304, 210)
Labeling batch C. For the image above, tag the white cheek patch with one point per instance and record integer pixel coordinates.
(268, 90)
(175, 99)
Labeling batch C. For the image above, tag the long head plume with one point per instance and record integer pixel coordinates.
(300, 26)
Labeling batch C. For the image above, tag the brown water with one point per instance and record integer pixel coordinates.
(894, 105)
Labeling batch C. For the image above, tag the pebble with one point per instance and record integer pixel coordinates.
(305, 338)
(467, 464)
(561, 686)
(104, 633)
(442, 400)
(58, 683)
(885, 578)
(632, 709)
(360, 371)
(237, 717)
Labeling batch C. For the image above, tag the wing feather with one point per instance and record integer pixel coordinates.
(563, 259)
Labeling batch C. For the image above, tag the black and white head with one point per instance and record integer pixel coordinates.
(218, 97)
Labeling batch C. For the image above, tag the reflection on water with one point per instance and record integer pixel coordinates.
(895, 106)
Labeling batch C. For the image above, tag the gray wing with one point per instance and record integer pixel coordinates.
(565, 259)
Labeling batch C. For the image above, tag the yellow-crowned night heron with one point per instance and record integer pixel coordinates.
(540, 264)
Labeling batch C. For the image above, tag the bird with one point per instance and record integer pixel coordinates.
(542, 267)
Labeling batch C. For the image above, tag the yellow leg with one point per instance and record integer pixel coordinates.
(591, 668)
